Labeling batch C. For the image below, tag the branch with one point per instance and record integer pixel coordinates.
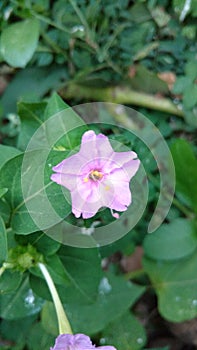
(121, 95)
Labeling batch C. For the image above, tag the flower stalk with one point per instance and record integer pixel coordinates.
(64, 325)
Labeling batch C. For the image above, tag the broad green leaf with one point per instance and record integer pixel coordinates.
(3, 191)
(125, 333)
(55, 105)
(6, 153)
(175, 284)
(16, 331)
(5, 209)
(20, 303)
(190, 96)
(115, 297)
(181, 84)
(83, 267)
(3, 241)
(10, 177)
(77, 276)
(32, 117)
(9, 281)
(186, 171)
(31, 84)
(49, 318)
(19, 41)
(56, 270)
(171, 241)
(21, 220)
(191, 69)
(38, 338)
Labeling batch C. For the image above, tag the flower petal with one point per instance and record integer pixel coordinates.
(85, 199)
(66, 180)
(124, 160)
(76, 342)
(95, 146)
(70, 165)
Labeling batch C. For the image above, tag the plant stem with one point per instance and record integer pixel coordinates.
(122, 95)
(64, 325)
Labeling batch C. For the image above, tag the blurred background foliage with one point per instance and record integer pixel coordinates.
(139, 53)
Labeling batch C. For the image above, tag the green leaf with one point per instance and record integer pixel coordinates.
(77, 276)
(3, 241)
(186, 171)
(125, 333)
(32, 117)
(55, 105)
(181, 84)
(5, 210)
(147, 81)
(16, 331)
(175, 284)
(39, 339)
(19, 41)
(191, 69)
(49, 318)
(7, 153)
(20, 303)
(21, 220)
(9, 281)
(56, 270)
(115, 297)
(190, 96)
(3, 191)
(171, 241)
(10, 177)
(83, 266)
(31, 84)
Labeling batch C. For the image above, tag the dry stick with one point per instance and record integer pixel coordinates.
(122, 95)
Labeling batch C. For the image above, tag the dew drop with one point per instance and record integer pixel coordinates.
(29, 299)
(104, 286)
(102, 341)
(177, 298)
(139, 340)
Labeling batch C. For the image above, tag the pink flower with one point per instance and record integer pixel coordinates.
(76, 342)
(97, 176)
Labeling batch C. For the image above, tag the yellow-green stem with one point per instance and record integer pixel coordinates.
(122, 95)
(64, 325)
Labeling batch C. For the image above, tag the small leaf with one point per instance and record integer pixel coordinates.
(19, 41)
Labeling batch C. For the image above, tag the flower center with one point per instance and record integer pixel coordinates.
(95, 175)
